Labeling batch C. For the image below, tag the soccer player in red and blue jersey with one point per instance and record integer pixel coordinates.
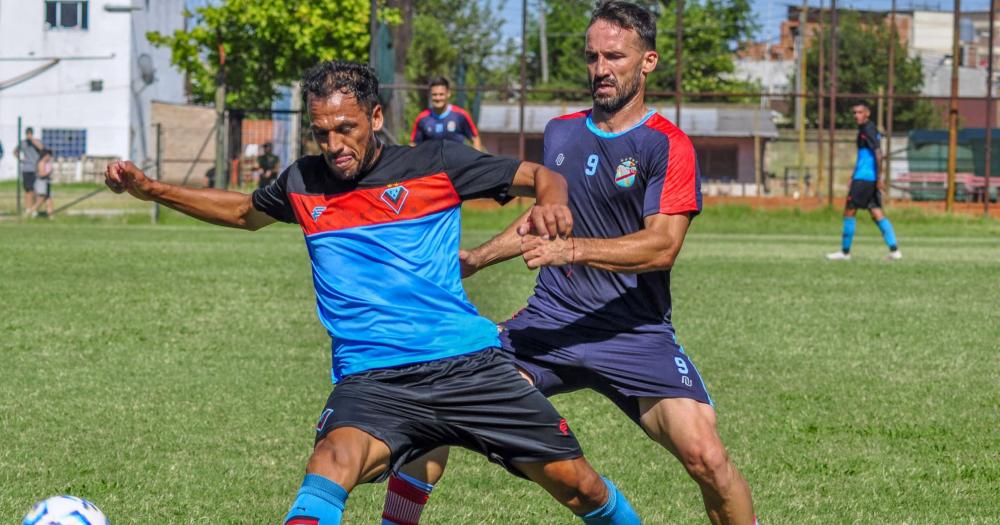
(600, 315)
(444, 120)
(415, 366)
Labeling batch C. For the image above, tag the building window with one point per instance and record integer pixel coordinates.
(68, 15)
(718, 162)
(66, 143)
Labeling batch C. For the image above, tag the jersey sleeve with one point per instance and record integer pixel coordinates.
(869, 134)
(674, 185)
(478, 175)
(273, 198)
(468, 127)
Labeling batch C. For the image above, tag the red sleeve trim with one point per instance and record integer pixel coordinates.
(680, 184)
(468, 118)
(416, 121)
(578, 114)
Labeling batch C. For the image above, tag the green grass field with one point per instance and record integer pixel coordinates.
(172, 374)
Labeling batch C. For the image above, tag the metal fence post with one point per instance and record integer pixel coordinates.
(155, 212)
(19, 177)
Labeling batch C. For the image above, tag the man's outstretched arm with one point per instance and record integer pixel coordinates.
(224, 208)
(653, 248)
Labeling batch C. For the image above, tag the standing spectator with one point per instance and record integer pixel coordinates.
(443, 120)
(29, 151)
(43, 185)
(210, 177)
(268, 166)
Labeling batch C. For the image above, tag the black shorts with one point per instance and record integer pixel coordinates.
(477, 401)
(28, 181)
(864, 194)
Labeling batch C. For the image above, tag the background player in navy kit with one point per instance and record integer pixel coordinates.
(867, 185)
(444, 120)
(416, 367)
(600, 314)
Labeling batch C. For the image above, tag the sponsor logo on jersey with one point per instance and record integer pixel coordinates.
(317, 211)
(625, 173)
(451, 125)
(560, 159)
(438, 128)
(395, 197)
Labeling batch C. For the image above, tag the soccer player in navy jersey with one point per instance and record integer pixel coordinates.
(599, 317)
(415, 366)
(444, 120)
(867, 185)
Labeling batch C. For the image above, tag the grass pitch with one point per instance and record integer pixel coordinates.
(172, 374)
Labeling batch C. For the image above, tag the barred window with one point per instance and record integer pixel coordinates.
(66, 143)
(63, 14)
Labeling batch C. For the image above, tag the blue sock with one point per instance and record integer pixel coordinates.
(319, 502)
(616, 511)
(850, 223)
(888, 233)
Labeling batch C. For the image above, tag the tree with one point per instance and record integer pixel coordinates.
(862, 65)
(264, 44)
(711, 29)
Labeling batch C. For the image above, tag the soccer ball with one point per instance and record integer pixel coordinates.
(65, 510)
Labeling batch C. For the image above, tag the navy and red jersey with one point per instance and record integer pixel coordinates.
(615, 181)
(454, 124)
(383, 251)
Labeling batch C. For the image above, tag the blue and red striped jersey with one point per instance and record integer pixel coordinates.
(384, 251)
(615, 181)
(454, 124)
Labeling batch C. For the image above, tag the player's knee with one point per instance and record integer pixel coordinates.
(580, 489)
(327, 456)
(706, 462)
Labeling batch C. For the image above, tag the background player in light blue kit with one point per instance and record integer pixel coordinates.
(600, 314)
(867, 185)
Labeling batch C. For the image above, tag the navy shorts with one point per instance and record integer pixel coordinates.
(477, 401)
(28, 180)
(864, 195)
(623, 366)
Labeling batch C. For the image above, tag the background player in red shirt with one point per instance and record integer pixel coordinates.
(443, 120)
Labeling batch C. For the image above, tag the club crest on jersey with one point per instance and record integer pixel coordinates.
(395, 197)
(625, 173)
(451, 125)
(317, 211)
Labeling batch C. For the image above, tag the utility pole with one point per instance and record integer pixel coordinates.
(990, 112)
(543, 42)
(220, 119)
(949, 198)
(833, 97)
(800, 101)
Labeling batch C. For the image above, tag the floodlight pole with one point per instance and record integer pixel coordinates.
(989, 111)
(949, 198)
(833, 98)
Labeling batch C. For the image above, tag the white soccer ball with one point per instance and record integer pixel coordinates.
(65, 510)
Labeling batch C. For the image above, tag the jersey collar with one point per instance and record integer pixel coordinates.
(608, 135)
(447, 111)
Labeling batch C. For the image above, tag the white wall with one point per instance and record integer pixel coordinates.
(932, 32)
(61, 97)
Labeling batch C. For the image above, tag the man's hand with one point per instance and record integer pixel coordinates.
(538, 251)
(122, 176)
(469, 261)
(880, 185)
(548, 221)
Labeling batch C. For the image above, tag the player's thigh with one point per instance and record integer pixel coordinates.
(348, 456)
(877, 214)
(685, 427)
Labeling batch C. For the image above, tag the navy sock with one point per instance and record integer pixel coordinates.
(319, 502)
(850, 224)
(616, 511)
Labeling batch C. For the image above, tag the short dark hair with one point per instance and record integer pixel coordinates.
(863, 104)
(439, 81)
(29, 129)
(359, 80)
(627, 15)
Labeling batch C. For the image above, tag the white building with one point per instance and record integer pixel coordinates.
(74, 71)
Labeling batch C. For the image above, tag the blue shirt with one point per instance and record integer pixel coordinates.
(384, 251)
(454, 124)
(615, 181)
(866, 166)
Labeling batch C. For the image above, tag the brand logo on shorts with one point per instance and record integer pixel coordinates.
(322, 419)
(317, 211)
(564, 427)
(625, 173)
(395, 197)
